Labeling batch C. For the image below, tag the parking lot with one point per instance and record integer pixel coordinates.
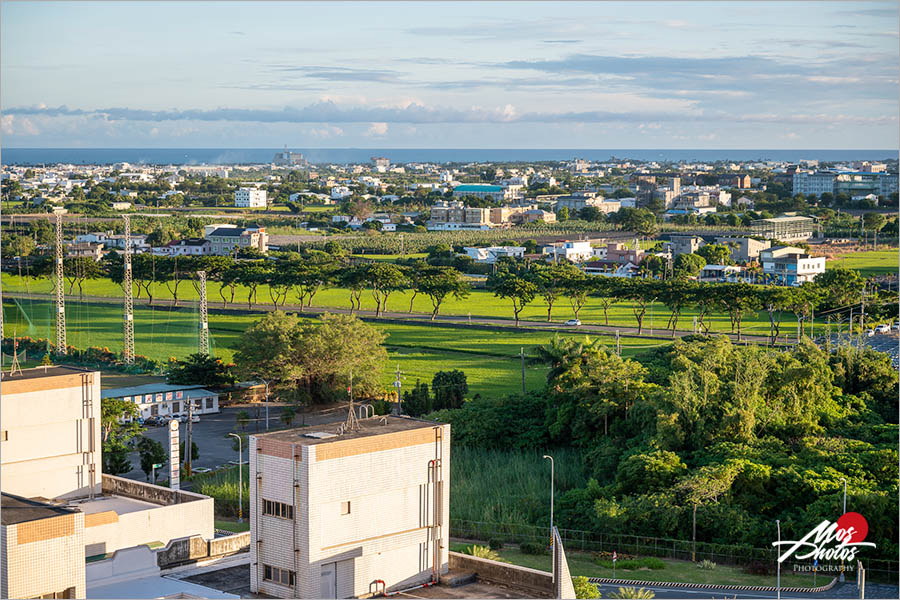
(889, 343)
(212, 439)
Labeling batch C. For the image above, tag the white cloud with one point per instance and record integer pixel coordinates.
(377, 130)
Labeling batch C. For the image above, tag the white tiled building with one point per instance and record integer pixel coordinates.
(342, 515)
(250, 198)
(165, 400)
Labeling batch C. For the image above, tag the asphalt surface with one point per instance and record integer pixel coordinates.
(213, 442)
(840, 590)
(415, 318)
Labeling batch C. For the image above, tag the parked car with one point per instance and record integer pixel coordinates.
(870, 333)
(195, 418)
(201, 469)
(151, 421)
(883, 329)
(895, 326)
(573, 322)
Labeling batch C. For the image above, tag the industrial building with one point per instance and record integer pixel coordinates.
(349, 509)
(166, 400)
(785, 228)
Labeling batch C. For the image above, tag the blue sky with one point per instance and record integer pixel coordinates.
(453, 75)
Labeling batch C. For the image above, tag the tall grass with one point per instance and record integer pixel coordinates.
(510, 487)
(223, 487)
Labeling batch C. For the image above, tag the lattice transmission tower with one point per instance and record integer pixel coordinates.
(128, 345)
(204, 317)
(60, 290)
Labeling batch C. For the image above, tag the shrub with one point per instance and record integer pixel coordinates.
(482, 552)
(630, 592)
(757, 568)
(584, 588)
(532, 548)
(707, 565)
(634, 563)
(382, 407)
(495, 543)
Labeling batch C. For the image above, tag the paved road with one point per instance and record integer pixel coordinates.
(840, 590)
(211, 434)
(475, 321)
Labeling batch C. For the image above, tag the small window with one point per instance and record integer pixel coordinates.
(345, 508)
(282, 576)
(278, 509)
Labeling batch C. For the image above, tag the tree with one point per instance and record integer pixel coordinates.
(688, 265)
(606, 290)
(716, 254)
(195, 450)
(641, 292)
(151, 453)
(201, 369)
(562, 214)
(511, 282)
(873, 221)
(77, 269)
(584, 588)
(416, 402)
(449, 388)
(384, 278)
(287, 415)
(576, 287)
(676, 294)
(242, 418)
(115, 457)
(840, 287)
(551, 280)
(654, 265)
(775, 299)
(439, 282)
(354, 279)
(737, 299)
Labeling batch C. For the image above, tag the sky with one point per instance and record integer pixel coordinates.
(778, 75)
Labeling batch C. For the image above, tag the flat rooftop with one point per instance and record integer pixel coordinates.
(39, 372)
(119, 504)
(310, 436)
(15, 509)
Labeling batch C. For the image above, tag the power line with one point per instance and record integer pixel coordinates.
(60, 291)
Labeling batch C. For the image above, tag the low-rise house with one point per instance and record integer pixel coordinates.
(611, 269)
(85, 249)
(721, 273)
(621, 254)
(340, 192)
(166, 400)
(574, 251)
(790, 268)
(226, 239)
(492, 254)
(189, 247)
(685, 244)
(744, 249)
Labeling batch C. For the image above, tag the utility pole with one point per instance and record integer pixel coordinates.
(777, 562)
(60, 291)
(128, 345)
(522, 354)
(189, 443)
(204, 317)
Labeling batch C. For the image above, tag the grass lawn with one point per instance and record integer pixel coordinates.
(489, 359)
(481, 303)
(233, 525)
(676, 570)
(873, 262)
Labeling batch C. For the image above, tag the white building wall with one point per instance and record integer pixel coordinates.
(50, 441)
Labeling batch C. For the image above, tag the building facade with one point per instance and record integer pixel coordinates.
(744, 249)
(685, 244)
(166, 400)
(791, 269)
(250, 198)
(788, 229)
(497, 193)
(319, 529)
(228, 239)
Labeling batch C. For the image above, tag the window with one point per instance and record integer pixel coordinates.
(345, 508)
(176, 406)
(209, 403)
(154, 410)
(282, 576)
(278, 509)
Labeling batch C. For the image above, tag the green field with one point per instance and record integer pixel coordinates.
(490, 359)
(583, 564)
(874, 262)
(481, 303)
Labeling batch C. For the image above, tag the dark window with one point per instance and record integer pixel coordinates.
(209, 403)
(282, 576)
(278, 509)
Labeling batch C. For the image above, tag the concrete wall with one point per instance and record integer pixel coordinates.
(52, 439)
(43, 557)
(194, 548)
(540, 582)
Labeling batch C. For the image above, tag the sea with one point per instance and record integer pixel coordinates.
(338, 156)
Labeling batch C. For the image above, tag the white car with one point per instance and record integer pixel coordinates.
(883, 329)
(573, 322)
(895, 326)
(870, 333)
(201, 470)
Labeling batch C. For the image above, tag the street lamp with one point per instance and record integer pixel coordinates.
(240, 479)
(550, 458)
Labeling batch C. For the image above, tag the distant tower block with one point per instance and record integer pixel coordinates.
(204, 318)
(60, 291)
(128, 345)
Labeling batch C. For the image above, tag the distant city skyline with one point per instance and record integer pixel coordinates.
(450, 75)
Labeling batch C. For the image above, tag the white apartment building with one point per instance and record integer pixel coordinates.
(340, 192)
(785, 267)
(813, 183)
(337, 513)
(250, 198)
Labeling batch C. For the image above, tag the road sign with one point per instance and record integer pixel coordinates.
(157, 465)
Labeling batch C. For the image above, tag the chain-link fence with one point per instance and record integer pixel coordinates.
(743, 555)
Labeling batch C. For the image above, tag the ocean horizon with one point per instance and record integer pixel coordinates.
(235, 156)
